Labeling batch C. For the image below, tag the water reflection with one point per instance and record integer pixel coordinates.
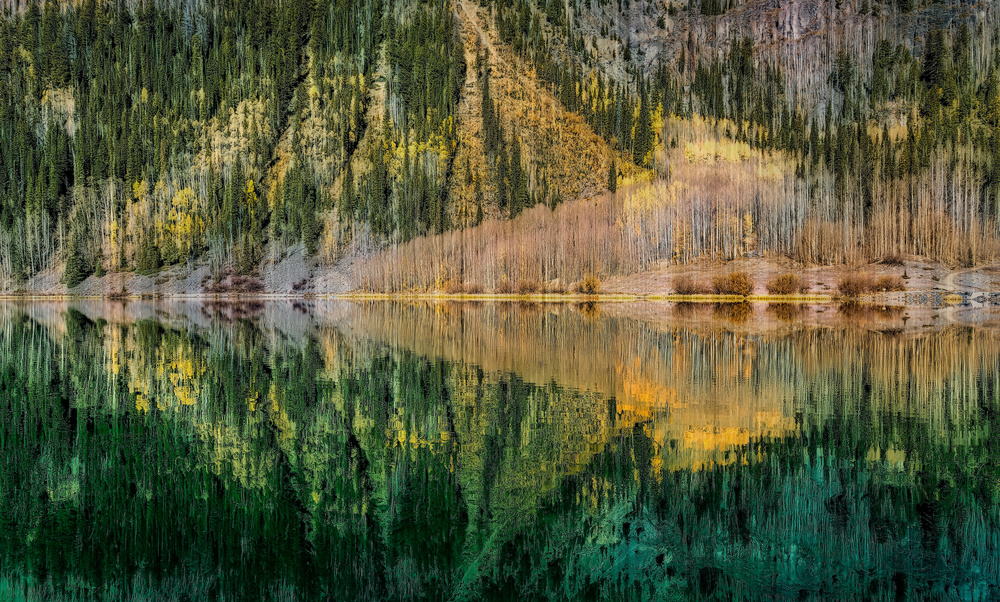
(320, 450)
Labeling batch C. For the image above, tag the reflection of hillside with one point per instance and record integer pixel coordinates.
(709, 390)
(705, 388)
(422, 444)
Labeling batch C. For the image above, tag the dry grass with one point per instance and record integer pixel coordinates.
(736, 283)
(786, 284)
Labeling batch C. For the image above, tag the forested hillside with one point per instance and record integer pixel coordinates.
(135, 136)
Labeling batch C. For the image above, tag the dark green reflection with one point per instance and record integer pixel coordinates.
(489, 452)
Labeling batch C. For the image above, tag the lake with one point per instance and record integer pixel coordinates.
(311, 450)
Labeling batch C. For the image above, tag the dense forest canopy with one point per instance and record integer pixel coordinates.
(140, 135)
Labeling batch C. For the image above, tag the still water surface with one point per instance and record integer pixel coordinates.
(389, 451)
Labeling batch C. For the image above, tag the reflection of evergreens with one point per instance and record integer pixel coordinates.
(228, 462)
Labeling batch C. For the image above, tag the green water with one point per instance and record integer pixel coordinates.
(331, 450)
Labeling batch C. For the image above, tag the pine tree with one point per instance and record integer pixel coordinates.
(518, 180)
(77, 266)
(347, 197)
(643, 143)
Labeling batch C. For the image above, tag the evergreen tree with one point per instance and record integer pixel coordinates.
(77, 266)
(644, 137)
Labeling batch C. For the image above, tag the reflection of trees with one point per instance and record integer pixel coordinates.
(374, 462)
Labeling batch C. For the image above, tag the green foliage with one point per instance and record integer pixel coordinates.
(644, 136)
(149, 260)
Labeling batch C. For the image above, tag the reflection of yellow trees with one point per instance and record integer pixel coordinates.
(167, 375)
(183, 368)
(114, 342)
(229, 451)
(278, 413)
(705, 392)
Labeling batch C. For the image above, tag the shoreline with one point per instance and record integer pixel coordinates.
(298, 278)
(953, 298)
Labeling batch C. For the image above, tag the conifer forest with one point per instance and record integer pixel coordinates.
(140, 135)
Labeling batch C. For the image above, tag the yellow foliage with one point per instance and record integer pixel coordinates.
(140, 190)
(710, 151)
(250, 198)
(186, 221)
(770, 172)
(657, 119)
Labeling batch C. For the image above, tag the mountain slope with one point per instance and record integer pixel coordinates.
(225, 133)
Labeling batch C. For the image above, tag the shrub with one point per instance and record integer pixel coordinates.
(889, 284)
(462, 288)
(685, 285)
(589, 285)
(230, 283)
(504, 287)
(528, 287)
(736, 283)
(854, 285)
(892, 259)
(785, 284)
